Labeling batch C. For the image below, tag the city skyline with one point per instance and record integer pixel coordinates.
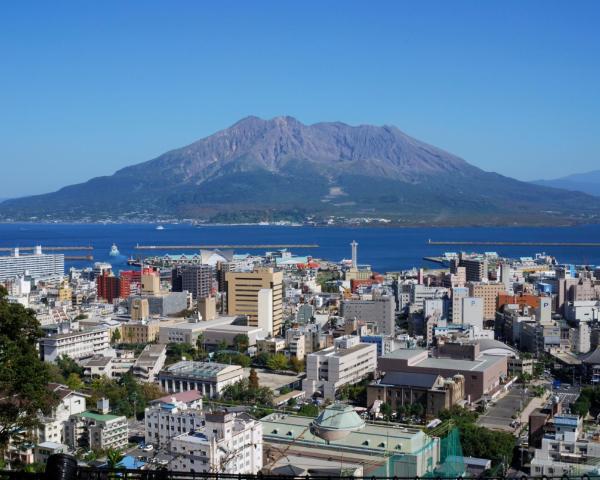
(87, 92)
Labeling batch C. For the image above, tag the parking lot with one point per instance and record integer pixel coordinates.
(499, 416)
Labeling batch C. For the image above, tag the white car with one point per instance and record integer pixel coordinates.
(148, 448)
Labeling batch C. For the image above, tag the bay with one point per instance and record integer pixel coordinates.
(384, 248)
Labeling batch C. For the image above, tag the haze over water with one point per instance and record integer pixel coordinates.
(386, 249)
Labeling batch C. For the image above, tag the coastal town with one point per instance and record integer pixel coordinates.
(228, 362)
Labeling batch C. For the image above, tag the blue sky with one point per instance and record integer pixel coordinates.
(89, 87)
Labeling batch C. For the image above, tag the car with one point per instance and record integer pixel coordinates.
(148, 448)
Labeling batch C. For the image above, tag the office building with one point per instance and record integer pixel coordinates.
(476, 269)
(348, 362)
(489, 292)
(37, 265)
(243, 290)
(380, 311)
(196, 279)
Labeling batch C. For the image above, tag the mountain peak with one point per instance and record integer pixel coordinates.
(282, 164)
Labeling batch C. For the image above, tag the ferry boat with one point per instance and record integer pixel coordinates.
(114, 251)
(160, 227)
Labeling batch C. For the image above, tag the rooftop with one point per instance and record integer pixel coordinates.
(99, 417)
(207, 370)
(374, 438)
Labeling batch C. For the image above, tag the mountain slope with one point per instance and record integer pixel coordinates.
(580, 182)
(282, 168)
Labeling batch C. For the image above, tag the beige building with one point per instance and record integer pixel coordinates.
(243, 295)
(207, 307)
(270, 345)
(140, 332)
(489, 292)
(432, 391)
(348, 362)
(150, 284)
(140, 309)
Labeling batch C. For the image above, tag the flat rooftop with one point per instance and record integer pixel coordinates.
(206, 370)
(202, 325)
(374, 437)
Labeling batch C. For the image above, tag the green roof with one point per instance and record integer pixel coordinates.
(98, 416)
(339, 417)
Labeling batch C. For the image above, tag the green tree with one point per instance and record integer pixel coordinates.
(241, 342)
(116, 336)
(114, 459)
(308, 410)
(23, 376)
(74, 381)
(201, 352)
(297, 365)
(222, 345)
(253, 379)
(68, 366)
(386, 411)
(278, 362)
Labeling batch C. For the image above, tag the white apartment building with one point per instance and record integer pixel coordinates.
(75, 345)
(171, 416)
(51, 427)
(96, 431)
(569, 451)
(38, 265)
(348, 362)
(296, 343)
(228, 443)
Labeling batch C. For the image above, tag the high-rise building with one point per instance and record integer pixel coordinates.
(38, 265)
(243, 294)
(379, 311)
(150, 283)
(476, 268)
(489, 292)
(197, 279)
(107, 286)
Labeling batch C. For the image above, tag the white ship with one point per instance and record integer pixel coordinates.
(114, 251)
(160, 227)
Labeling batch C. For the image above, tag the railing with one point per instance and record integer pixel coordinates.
(84, 473)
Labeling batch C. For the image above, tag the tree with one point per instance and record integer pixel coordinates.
(308, 410)
(253, 379)
(74, 381)
(201, 352)
(23, 376)
(114, 459)
(241, 342)
(68, 366)
(222, 345)
(277, 362)
(386, 410)
(297, 365)
(116, 336)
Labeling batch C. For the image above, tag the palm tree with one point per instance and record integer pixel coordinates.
(114, 459)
